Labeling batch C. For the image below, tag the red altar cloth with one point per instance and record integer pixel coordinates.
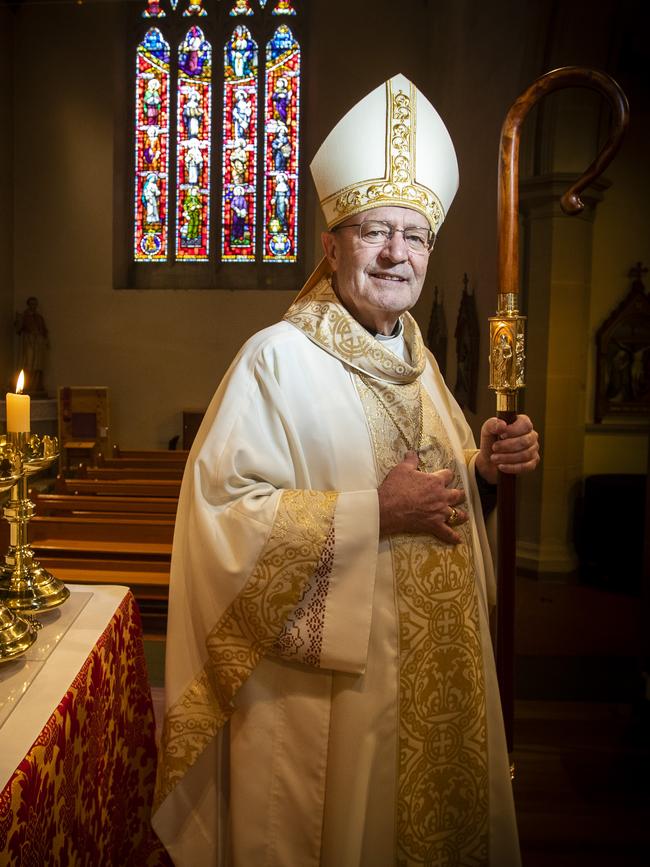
(82, 795)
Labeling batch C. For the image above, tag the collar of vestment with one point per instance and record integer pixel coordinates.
(321, 316)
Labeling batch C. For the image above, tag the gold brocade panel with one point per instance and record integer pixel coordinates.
(442, 796)
(248, 629)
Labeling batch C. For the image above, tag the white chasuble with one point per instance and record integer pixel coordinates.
(331, 697)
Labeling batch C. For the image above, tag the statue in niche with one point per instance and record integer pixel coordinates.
(623, 360)
(32, 331)
(467, 343)
(437, 333)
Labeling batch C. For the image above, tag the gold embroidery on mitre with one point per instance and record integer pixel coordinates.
(398, 186)
(442, 794)
(246, 631)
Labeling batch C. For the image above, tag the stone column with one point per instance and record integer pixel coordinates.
(556, 285)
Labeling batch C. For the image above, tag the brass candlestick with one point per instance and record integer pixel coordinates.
(16, 633)
(24, 584)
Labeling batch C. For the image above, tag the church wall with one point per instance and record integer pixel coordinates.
(483, 56)
(6, 198)
(159, 351)
(621, 239)
(162, 351)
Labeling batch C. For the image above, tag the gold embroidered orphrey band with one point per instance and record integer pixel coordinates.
(443, 788)
(246, 631)
(398, 186)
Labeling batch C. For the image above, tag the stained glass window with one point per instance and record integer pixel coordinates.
(239, 205)
(284, 7)
(195, 7)
(152, 148)
(193, 130)
(241, 7)
(253, 130)
(153, 10)
(281, 147)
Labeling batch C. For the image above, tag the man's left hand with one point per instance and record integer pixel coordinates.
(511, 448)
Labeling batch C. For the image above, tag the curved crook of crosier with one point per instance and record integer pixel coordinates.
(508, 200)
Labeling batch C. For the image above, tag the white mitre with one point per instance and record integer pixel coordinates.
(391, 148)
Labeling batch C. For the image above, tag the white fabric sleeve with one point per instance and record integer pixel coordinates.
(330, 625)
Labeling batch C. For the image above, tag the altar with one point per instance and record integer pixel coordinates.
(78, 756)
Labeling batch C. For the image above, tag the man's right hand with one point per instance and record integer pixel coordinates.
(415, 502)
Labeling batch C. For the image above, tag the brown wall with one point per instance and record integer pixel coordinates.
(6, 194)
(160, 351)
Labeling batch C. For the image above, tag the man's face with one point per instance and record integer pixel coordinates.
(377, 283)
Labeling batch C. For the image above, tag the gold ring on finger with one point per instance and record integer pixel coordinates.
(452, 520)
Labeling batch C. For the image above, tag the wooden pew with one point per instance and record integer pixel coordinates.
(150, 473)
(178, 456)
(119, 487)
(103, 534)
(112, 550)
(138, 464)
(88, 504)
(147, 579)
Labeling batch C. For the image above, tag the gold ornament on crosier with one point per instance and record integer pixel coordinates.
(507, 352)
(398, 187)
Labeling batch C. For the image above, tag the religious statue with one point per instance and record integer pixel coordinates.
(503, 361)
(437, 333)
(30, 327)
(467, 341)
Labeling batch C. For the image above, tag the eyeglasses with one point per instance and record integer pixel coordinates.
(378, 234)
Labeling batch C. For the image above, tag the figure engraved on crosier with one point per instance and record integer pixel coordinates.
(502, 359)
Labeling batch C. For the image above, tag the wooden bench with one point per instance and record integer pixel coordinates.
(104, 534)
(147, 579)
(149, 473)
(119, 487)
(89, 504)
(163, 455)
(138, 464)
(108, 549)
(145, 460)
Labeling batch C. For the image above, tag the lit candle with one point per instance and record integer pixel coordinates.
(18, 408)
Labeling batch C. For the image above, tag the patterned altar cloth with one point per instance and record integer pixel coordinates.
(82, 794)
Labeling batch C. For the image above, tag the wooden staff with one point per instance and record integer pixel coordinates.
(507, 347)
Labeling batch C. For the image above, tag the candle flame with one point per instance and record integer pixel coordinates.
(21, 382)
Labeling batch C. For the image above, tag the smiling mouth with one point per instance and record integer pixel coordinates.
(393, 277)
